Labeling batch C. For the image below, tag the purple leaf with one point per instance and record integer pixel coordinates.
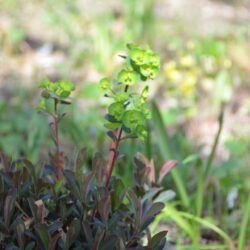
(166, 169)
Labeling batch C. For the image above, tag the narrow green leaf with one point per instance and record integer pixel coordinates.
(164, 143)
(244, 227)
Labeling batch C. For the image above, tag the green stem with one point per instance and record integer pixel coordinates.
(215, 144)
(58, 157)
(114, 150)
(199, 196)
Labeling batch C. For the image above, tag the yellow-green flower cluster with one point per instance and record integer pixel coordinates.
(202, 62)
(144, 61)
(128, 110)
(60, 91)
(183, 74)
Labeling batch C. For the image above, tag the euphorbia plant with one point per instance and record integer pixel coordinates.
(88, 211)
(128, 111)
(59, 93)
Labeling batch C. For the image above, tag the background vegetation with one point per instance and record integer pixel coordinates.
(200, 101)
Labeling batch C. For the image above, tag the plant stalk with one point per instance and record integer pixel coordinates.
(215, 144)
(114, 150)
(58, 157)
(113, 153)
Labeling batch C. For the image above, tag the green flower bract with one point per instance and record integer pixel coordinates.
(116, 110)
(127, 77)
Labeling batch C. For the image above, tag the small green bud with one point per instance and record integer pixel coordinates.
(147, 113)
(138, 56)
(141, 132)
(149, 71)
(127, 77)
(105, 84)
(154, 59)
(64, 88)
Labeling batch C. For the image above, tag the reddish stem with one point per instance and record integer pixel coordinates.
(114, 150)
(58, 157)
(113, 153)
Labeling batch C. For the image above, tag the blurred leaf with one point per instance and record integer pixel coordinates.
(208, 224)
(151, 174)
(9, 205)
(149, 216)
(164, 143)
(166, 168)
(87, 232)
(41, 229)
(109, 242)
(30, 246)
(7, 179)
(73, 184)
(104, 208)
(165, 196)
(86, 180)
(170, 116)
(90, 91)
(98, 237)
(141, 169)
(236, 147)
(117, 194)
(58, 186)
(81, 159)
(99, 167)
(226, 168)
(223, 88)
(41, 211)
(53, 241)
(158, 241)
(16, 35)
(20, 229)
(190, 159)
(151, 193)
(72, 233)
(137, 208)
(170, 212)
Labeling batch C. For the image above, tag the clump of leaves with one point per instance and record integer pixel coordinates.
(46, 207)
(79, 211)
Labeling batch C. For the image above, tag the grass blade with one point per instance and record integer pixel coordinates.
(166, 152)
(211, 226)
(215, 144)
(243, 228)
